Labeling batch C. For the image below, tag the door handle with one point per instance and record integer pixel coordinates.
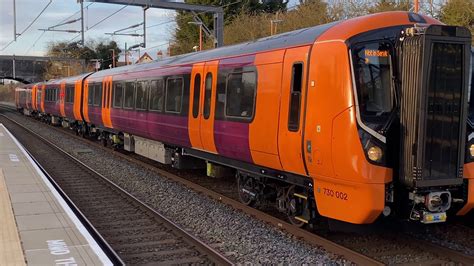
(308, 146)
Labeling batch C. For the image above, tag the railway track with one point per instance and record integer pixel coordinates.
(371, 250)
(136, 232)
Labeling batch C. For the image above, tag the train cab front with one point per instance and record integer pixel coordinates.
(423, 119)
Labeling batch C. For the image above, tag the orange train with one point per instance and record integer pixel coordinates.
(354, 120)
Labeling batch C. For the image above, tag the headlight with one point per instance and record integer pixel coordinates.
(375, 153)
(471, 150)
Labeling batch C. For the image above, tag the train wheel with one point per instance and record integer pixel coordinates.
(296, 208)
(247, 192)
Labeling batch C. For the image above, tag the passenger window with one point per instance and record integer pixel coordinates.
(97, 94)
(197, 92)
(70, 94)
(295, 97)
(142, 93)
(240, 94)
(129, 95)
(118, 95)
(174, 95)
(156, 95)
(207, 96)
(90, 96)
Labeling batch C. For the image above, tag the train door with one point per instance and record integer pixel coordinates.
(27, 97)
(208, 93)
(195, 105)
(290, 139)
(41, 92)
(34, 99)
(106, 101)
(328, 98)
(77, 99)
(62, 93)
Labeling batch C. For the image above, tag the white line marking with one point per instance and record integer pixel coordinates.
(13, 157)
(92, 243)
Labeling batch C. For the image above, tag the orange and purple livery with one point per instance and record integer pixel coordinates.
(354, 120)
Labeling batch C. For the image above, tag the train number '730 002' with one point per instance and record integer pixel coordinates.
(335, 194)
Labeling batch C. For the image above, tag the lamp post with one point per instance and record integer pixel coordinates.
(200, 32)
(113, 57)
(274, 21)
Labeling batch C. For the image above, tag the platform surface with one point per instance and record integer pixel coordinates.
(37, 226)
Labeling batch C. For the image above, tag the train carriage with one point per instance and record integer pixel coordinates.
(23, 98)
(71, 91)
(352, 120)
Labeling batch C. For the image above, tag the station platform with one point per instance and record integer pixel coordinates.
(37, 225)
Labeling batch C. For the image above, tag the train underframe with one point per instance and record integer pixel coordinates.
(295, 201)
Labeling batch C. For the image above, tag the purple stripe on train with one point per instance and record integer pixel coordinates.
(171, 129)
(52, 108)
(232, 140)
(69, 110)
(95, 115)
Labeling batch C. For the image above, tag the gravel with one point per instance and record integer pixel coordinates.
(242, 238)
(452, 235)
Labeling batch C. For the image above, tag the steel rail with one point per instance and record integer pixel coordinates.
(452, 254)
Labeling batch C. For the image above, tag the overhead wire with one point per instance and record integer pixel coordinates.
(198, 13)
(39, 15)
(29, 25)
(75, 13)
(188, 38)
(35, 42)
(42, 34)
(102, 20)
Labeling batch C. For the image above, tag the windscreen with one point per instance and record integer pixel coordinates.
(372, 73)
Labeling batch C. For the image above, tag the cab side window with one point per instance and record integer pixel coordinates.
(295, 97)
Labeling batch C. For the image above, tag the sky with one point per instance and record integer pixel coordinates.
(34, 42)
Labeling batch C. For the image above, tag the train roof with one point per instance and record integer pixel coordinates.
(288, 39)
(295, 38)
